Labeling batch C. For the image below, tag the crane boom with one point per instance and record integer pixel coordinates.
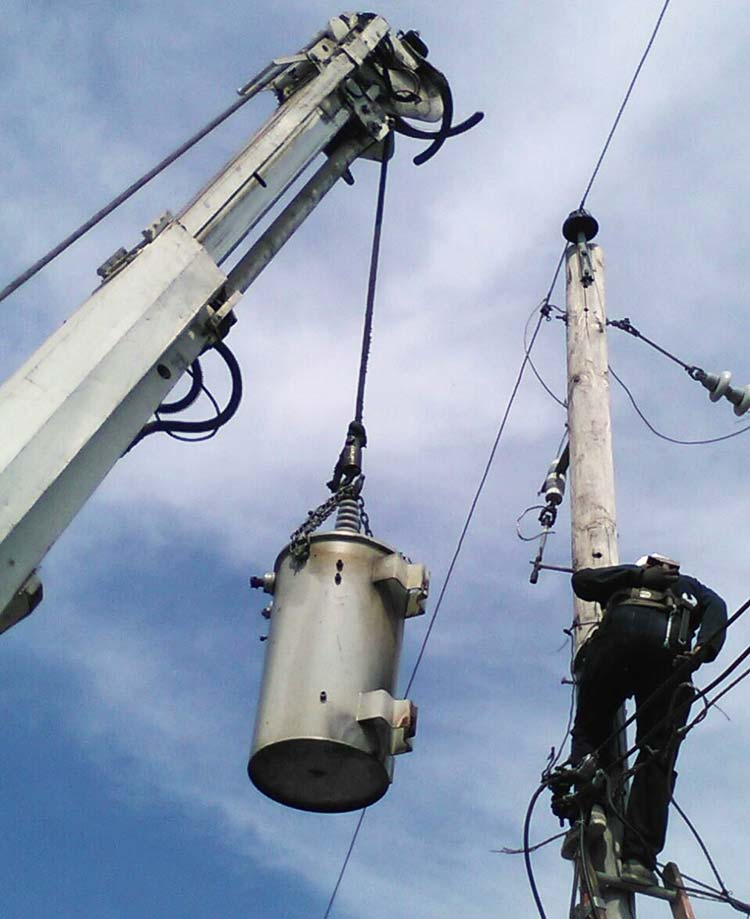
(74, 407)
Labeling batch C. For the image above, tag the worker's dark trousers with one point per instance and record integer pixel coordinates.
(626, 657)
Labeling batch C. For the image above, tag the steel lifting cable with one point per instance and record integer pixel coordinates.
(251, 89)
(372, 280)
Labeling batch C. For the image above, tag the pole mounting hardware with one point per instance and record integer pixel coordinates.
(580, 228)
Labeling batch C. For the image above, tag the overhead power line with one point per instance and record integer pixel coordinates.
(624, 103)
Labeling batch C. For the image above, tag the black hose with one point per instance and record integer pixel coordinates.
(170, 408)
(210, 424)
(446, 129)
(527, 854)
(408, 130)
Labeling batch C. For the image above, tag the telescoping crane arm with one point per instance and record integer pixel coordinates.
(76, 405)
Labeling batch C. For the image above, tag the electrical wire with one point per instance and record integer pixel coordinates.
(625, 325)
(346, 862)
(706, 892)
(624, 103)
(534, 370)
(535, 848)
(475, 501)
(527, 852)
(673, 440)
(703, 846)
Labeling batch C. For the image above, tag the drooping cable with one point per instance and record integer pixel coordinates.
(527, 852)
(624, 103)
(548, 307)
(447, 128)
(703, 846)
(197, 438)
(673, 440)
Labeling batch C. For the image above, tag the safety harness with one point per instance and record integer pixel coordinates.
(677, 609)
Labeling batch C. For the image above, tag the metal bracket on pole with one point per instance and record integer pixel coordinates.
(580, 228)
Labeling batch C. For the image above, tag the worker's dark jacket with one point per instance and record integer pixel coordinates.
(707, 619)
(630, 654)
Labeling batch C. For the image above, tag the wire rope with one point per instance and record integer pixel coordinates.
(372, 280)
(122, 197)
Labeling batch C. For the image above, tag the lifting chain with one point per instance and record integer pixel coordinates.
(299, 541)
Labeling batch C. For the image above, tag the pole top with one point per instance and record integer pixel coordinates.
(577, 223)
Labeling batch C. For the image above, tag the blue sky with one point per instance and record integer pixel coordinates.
(127, 698)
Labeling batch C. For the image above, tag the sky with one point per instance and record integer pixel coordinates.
(128, 697)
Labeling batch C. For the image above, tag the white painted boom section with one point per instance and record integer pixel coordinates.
(223, 213)
(72, 410)
(76, 405)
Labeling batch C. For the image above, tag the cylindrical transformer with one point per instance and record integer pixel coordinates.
(327, 725)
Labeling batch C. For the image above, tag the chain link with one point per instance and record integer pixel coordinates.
(364, 516)
(299, 541)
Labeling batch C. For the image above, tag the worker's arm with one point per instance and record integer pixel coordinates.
(712, 612)
(599, 584)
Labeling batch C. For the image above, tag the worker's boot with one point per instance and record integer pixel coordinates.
(595, 827)
(637, 873)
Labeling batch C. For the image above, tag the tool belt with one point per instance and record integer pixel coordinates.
(676, 610)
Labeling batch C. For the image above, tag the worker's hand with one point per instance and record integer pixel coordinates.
(657, 577)
(690, 660)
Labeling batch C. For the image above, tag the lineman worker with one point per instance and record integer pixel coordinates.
(643, 649)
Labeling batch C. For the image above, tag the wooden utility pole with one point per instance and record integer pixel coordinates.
(592, 501)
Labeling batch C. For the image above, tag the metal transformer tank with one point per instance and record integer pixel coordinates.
(327, 725)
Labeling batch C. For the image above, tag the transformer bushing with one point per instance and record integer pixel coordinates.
(327, 725)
